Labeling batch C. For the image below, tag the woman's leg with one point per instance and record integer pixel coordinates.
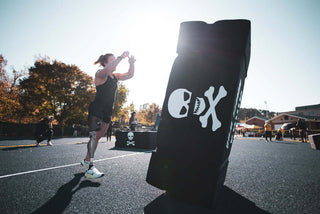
(41, 137)
(97, 130)
(266, 135)
(108, 136)
(92, 146)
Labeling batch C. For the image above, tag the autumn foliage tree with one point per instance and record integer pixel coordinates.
(54, 88)
(120, 100)
(246, 113)
(148, 115)
(9, 94)
(51, 88)
(126, 111)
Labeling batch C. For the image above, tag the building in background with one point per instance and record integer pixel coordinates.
(310, 113)
(256, 120)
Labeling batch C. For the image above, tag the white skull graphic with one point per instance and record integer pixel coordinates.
(178, 103)
(130, 136)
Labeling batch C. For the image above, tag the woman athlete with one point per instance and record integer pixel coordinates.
(100, 110)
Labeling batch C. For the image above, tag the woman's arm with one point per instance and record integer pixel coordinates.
(111, 66)
(130, 72)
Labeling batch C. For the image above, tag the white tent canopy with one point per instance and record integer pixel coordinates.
(247, 126)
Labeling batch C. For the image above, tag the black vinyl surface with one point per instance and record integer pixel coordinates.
(200, 110)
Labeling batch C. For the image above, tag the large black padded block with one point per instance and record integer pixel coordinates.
(315, 141)
(200, 110)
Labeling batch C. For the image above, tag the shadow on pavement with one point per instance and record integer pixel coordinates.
(132, 149)
(59, 202)
(79, 143)
(229, 202)
(285, 142)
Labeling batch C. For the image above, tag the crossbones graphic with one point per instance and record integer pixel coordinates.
(178, 105)
(212, 110)
(131, 143)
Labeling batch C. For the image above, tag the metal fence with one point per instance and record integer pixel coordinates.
(260, 133)
(27, 130)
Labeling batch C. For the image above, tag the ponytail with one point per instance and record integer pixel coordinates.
(103, 59)
(99, 60)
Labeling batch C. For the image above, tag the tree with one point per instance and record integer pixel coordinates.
(148, 115)
(54, 88)
(3, 75)
(121, 98)
(9, 93)
(4, 88)
(246, 113)
(132, 108)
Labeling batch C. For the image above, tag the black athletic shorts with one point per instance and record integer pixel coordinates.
(102, 113)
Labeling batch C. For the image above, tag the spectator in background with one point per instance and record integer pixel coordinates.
(301, 125)
(282, 133)
(44, 130)
(279, 134)
(109, 131)
(121, 121)
(268, 130)
(308, 132)
(293, 133)
(75, 130)
(133, 121)
(157, 120)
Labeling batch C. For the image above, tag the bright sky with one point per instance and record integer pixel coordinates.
(285, 42)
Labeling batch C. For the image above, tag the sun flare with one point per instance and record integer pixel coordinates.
(153, 42)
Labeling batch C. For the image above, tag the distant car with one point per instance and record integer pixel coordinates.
(288, 126)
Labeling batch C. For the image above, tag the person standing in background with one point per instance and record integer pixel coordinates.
(133, 121)
(44, 130)
(157, 120)
(109, 132)
(268, 131)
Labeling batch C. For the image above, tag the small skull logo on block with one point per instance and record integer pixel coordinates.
(130, 139)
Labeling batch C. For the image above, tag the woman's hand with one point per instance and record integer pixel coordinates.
(131, 60)
(125, 54)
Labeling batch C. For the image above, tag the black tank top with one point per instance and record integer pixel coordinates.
(105, 94)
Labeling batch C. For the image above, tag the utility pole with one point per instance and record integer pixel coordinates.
(265, 102)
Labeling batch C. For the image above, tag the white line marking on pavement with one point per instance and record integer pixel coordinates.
(68, 165)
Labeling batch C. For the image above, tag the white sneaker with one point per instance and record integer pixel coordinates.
(93, 173)
(37, 144)
(49, 143)
(85, 164)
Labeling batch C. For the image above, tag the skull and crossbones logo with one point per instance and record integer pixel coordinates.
(178, 105)
(130, 139)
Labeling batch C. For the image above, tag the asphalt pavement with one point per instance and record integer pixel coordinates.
(276, 177)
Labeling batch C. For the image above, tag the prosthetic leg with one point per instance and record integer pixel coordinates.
(95, 124)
